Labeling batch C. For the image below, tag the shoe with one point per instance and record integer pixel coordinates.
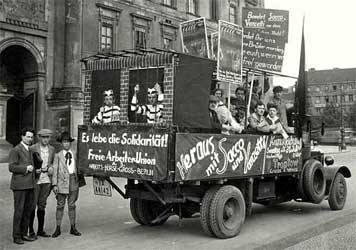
(43, 234)
(32, 235)
(28, 238)
(74, 231)
(19, 241)
(57, 232)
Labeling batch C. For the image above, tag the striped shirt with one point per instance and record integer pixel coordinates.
(107, 114)
(153, 113)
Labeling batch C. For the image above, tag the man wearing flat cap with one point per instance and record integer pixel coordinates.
(43, 181)
(282, 109)
(65, 183)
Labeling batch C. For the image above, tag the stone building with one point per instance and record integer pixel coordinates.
(335, 87)
(43, 41)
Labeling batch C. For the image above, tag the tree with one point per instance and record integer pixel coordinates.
(331, 116)
(352, 116)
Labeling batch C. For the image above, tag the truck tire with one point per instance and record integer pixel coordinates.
(134, 211)
(338, 192)
(205, 210)
(227, 212)
(314, 181)
(148, 210)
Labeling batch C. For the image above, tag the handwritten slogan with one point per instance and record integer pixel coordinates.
(123, 152)
(265, 36)
(203, 156)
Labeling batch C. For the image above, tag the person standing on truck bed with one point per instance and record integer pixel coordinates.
(109, 112)
(281, 105)
(152, 110)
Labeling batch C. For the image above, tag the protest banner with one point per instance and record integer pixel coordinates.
(195, 38)
(229, 66)
(207, 156)
(265, 36)
(131, 152)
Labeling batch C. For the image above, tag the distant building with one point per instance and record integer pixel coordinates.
(335, 87)
(43, 41)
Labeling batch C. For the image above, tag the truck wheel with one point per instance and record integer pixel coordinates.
(314, 182)
(338, 193)
(134, 210)
(148, 210)
(227, 212)
(205, 210)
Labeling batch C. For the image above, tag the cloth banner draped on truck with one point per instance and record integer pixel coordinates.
(209, 156)
(130, 152)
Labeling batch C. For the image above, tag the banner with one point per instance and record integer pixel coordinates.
(229, 66)
(213, 156)
(131, 152)
(194, 37)
(265, 36)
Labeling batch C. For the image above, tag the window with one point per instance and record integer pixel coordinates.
(106, 37)
(169, 3)
(317, 99)
(334, 87)
(351, 98)
(342, 98)
(326, 99)
(335, 98)
(140, 39)
(232, 14)
(214, 10)
(192, 7)
(167, 43)
(108, 21)
(168, 35)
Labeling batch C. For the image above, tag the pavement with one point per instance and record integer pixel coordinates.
(106, 223)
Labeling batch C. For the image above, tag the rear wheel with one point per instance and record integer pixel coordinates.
(147, 211)
(227, 212)
(134, 210)
(314, 181)
(338, 193)
(205, 210)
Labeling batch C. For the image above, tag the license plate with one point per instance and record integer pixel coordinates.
(101, 187)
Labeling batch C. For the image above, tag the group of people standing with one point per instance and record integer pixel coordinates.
(36, 170)
(259, 119)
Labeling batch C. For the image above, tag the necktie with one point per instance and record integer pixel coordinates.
(68, 157)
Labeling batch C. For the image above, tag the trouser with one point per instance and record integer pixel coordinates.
(72, 197)
(23, 206)
(41, 193)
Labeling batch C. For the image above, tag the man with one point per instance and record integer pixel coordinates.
(109, 112)
(65, 182)
(240, 104)
(153, 110)
(257, 122)
(42, 186)
(22, 184)
(214, 120)
(282, 109)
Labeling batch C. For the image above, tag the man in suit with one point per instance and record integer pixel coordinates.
(65, 183)
(42, 187)
(22, 185)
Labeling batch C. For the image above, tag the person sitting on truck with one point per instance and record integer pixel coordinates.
(227, 121)
(214, 120)
(109, 112)
(152, 110)
(257, 121)
(219, 93)
(239, 104)
(274, 122)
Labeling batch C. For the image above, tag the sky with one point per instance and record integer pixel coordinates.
(330, 33)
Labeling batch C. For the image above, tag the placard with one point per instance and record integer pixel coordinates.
(229, 66)
(131, 152)
(265, 36)
(195, 38)
(214, 156)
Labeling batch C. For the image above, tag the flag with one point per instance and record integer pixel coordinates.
(300, 92)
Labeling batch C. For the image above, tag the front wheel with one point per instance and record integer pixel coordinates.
(338, 193)
(147, 212)
(227, 212)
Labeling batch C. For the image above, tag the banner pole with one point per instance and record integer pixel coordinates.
(228, 97)
(250, 95)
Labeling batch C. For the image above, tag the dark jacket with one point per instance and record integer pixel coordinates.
(37, 148)
(214, 122)
(19, 159)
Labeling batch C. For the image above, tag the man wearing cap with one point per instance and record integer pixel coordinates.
(65, 182)
(42, 187)
(109, 112)
(282, 109)
(153, 110)
(214, 120)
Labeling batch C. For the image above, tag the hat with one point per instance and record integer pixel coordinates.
(45, 132)
(213, 98)
(277, 89)
(108, 92)
(65, 136)
(151, 91)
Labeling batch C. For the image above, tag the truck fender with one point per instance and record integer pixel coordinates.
(330, 173)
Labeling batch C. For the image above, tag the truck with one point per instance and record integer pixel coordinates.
(181, 166)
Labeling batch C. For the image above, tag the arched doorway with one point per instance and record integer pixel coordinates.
(19, 79)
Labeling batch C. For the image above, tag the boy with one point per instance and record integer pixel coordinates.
(273, 120)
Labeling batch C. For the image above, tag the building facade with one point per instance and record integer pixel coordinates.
(43, 41)
(334, 87)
